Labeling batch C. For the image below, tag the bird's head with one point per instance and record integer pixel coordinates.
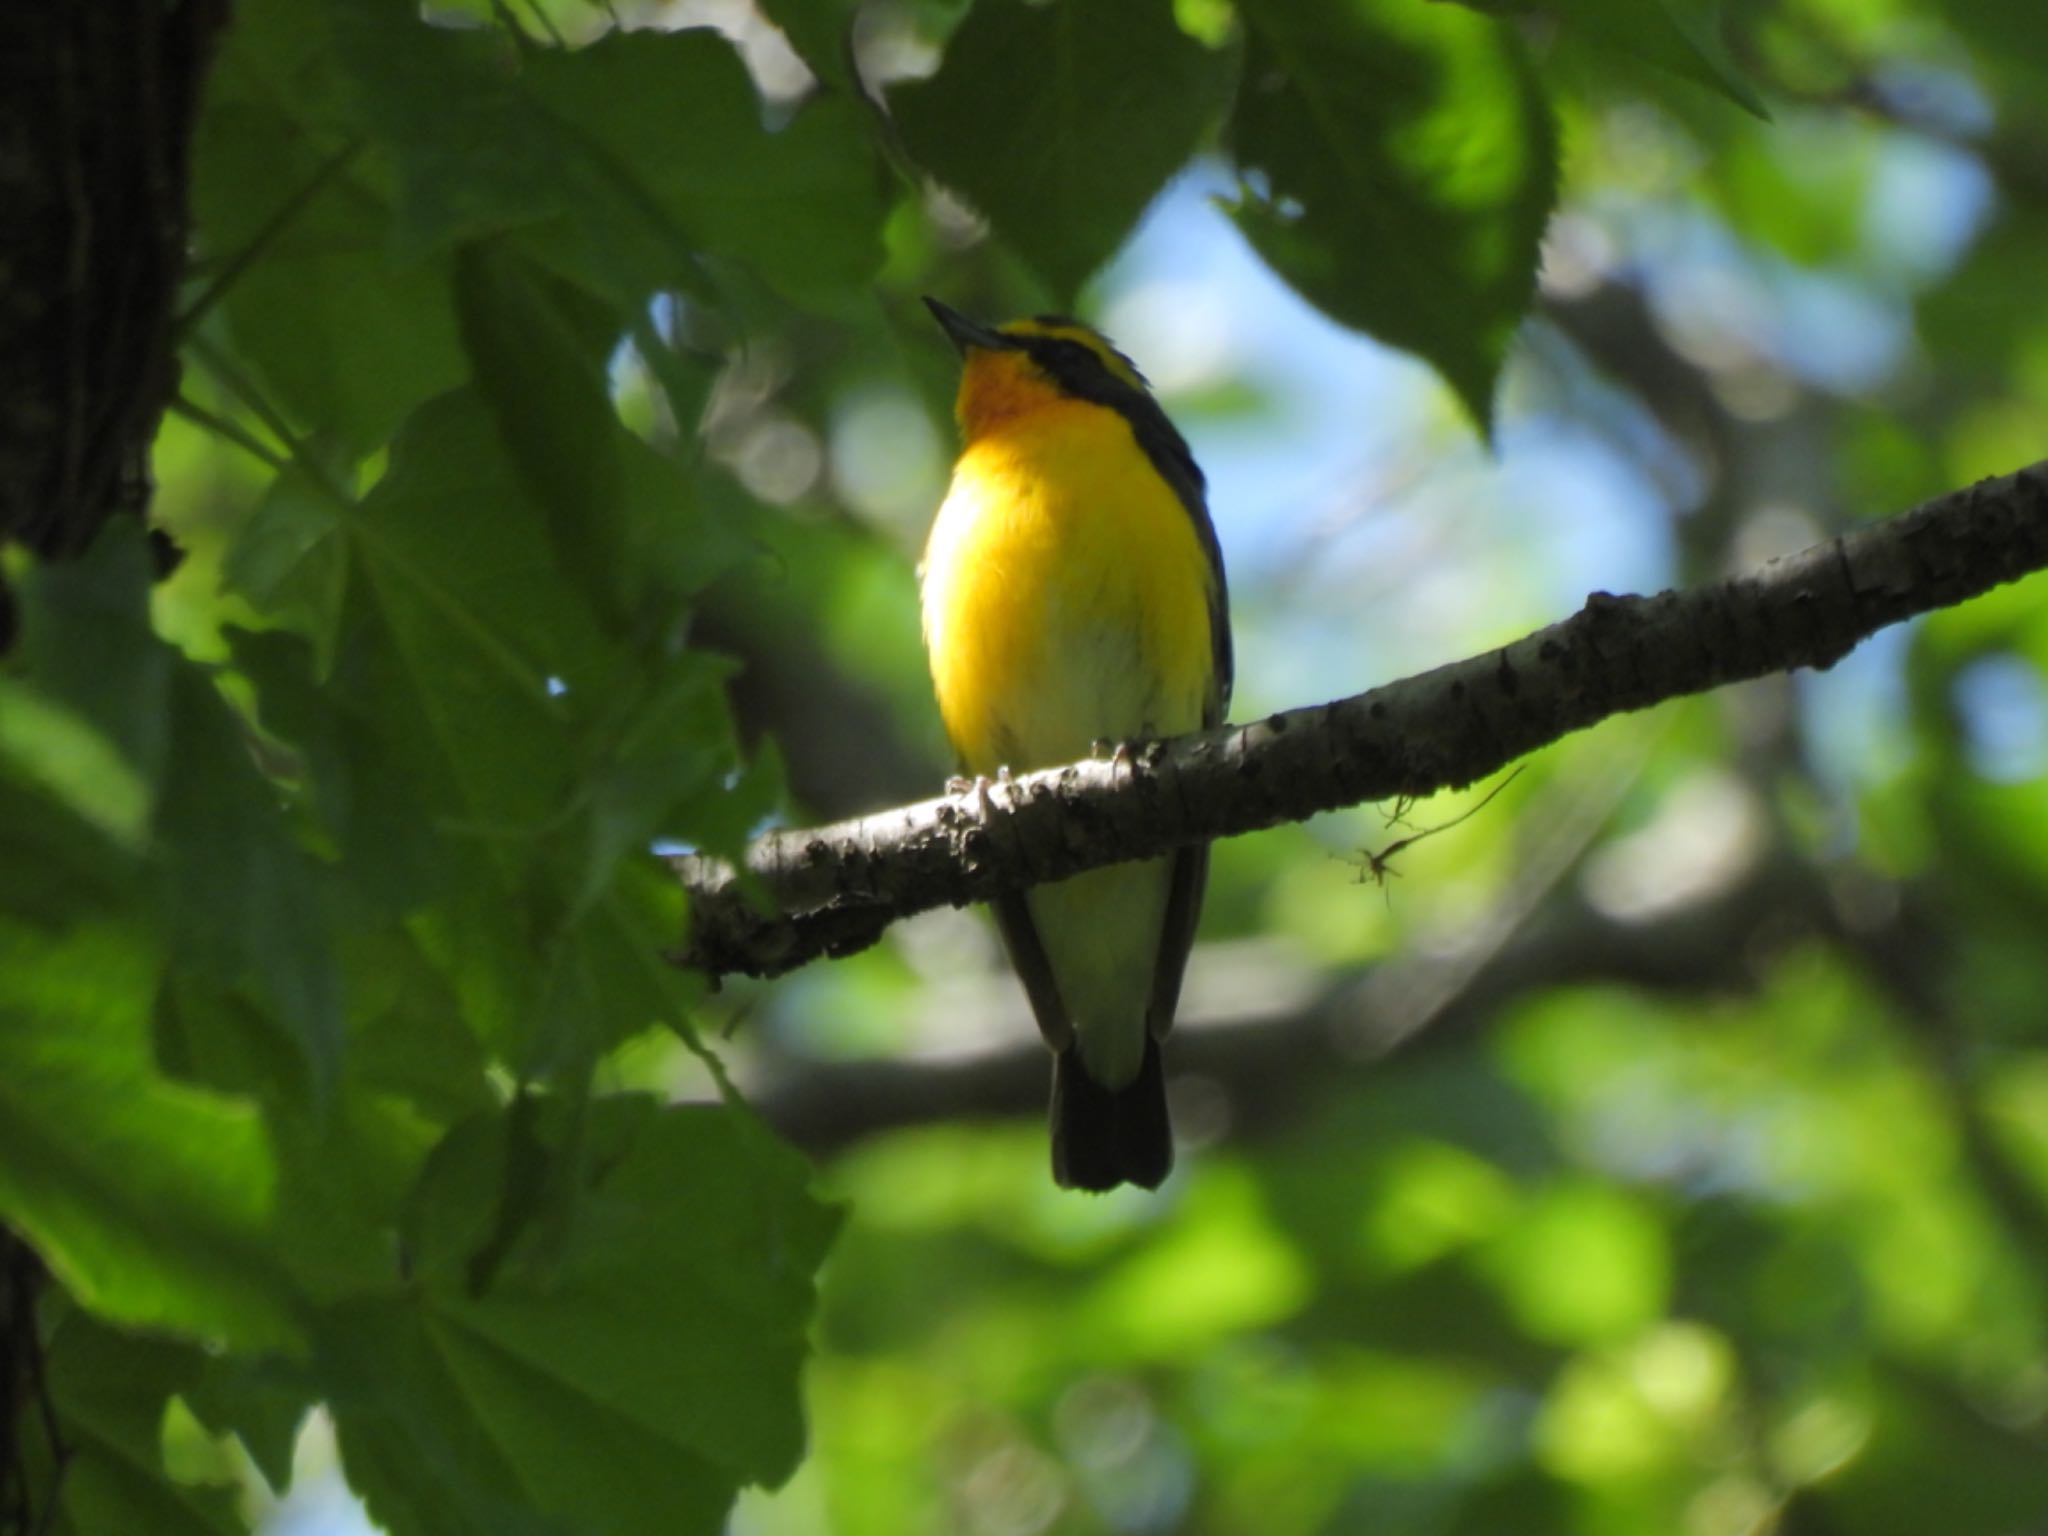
(1010, 371)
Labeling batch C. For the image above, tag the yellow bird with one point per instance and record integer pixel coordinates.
(1073, 594)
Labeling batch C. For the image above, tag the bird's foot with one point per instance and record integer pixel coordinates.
(979, 786)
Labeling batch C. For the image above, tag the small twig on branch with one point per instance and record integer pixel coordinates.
(1378, 866)
(838, 888)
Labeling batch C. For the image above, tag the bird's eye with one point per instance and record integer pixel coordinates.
(1071, 355)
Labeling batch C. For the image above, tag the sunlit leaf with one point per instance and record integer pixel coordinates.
(147, 1199)
(240, 901)
(1581, 1264)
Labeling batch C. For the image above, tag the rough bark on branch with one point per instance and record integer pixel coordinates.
(833, 890)
(97, 104)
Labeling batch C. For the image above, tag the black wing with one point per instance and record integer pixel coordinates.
(1169, 454)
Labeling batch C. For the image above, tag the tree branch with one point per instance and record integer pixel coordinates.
(837, 888)
(97, 104)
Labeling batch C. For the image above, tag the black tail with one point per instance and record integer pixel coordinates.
(1104, 1137)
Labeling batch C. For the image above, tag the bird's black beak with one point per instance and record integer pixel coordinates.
(964, 332)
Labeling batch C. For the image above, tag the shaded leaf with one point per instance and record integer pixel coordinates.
(56, 867)
(1681, 36)
(624, 162)
(821, 33)
(678, 115)
(462, 628)
(1400, 164)
(446, 104)
(1040, 117)
(492, 700)
(632, 1387)
(665, 748)
(243, 902)
(87, 643)
(111, 1391)
(262, 1405)
(347, 339)
(546, 390)
(369, 808)
(288, 560)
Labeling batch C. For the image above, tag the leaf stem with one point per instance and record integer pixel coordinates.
(286, 214)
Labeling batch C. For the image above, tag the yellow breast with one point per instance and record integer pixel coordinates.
(1066, 594)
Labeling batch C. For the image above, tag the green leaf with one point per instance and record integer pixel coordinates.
(346, 338)
(48, 745)
(82, 734)
(685, 531)
(546, 391)
(461, 627)
(56, 867)
(240, 901)
(625, 162)
(446, 104)
(1061, 121)
(1401, 165)
(604, 979)
(288, 560)
(87, 644)
(370, 807)
(485, 683)
(460, 633)
(261, 1404)
(111, 1391)
(677, 115)
(408, 1038)
(146, 1198)
(243, 903)
(1581, 1264)
(632, 1384)
(665, 748)
(475, 154)
(821, 33)
(1683, 36)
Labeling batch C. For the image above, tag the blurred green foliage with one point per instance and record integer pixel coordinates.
(1664, 1149)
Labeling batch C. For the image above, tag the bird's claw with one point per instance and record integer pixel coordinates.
(1123, 752)
(979, 787)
